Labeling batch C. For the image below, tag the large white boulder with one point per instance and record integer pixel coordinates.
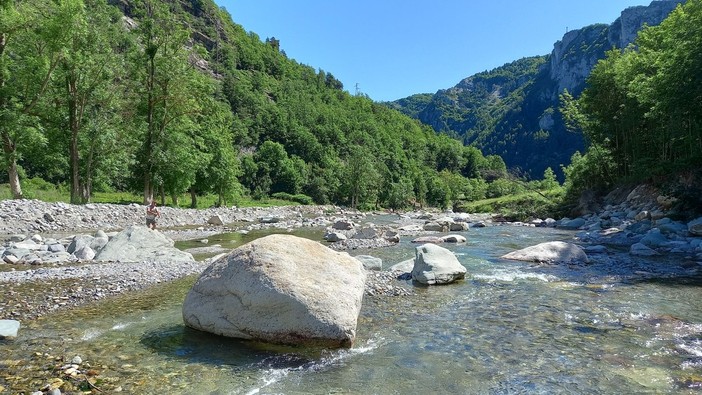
(139, 243)
(434, 265)
(280, 289)
(550, 252)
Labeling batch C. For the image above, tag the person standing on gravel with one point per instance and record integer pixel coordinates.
(151, 214)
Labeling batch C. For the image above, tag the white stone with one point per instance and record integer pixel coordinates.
(9, 328)
(453, 239)
(434, 265)
(550, 252)
(370, 262)
(280, 289)
(139, 243)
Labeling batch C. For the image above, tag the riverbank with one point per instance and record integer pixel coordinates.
(33, 288)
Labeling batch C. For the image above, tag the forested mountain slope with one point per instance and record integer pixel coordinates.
(512, 111)
(168, 97)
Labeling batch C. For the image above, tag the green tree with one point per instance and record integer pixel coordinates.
(360, 178)
(33, 37)
(84, 89)
(168, 96)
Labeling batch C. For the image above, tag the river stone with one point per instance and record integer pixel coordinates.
(367, 233)
(57, 247)
(9, 328)
(99, 240)
(550, 252)
(434, 265)
(573, 223)
(333, 237)
(436, 227)
(138, 243)
(404, 266)
(370, 262)
(453, 239)
(17, 237)
(654, 239)
(85, 253)
(458, 226)
(280, 289)
(428, 239)
(640, 249)
(695, 227)
(343, 224)
(79, 242)
(216, 220)
(11, 259)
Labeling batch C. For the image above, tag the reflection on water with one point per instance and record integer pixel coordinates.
(510, 327)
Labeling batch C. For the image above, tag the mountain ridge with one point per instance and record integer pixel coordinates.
(519, 118)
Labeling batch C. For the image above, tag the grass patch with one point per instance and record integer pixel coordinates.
(52, 193)
(520, 207)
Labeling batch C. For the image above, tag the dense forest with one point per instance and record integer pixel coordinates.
(173, 99)
(641, 112)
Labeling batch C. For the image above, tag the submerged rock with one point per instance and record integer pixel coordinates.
(280, 289)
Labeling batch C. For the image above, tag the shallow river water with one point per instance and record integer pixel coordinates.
(612, 327)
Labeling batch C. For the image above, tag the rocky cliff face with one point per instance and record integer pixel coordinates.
(512, 111)
(574, 56)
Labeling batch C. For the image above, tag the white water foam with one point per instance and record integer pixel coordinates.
(512, 275)
(121, 325)
(91, 334)
(272, 376)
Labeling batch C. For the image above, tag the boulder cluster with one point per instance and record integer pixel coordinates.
(640, 223)
(134, 244)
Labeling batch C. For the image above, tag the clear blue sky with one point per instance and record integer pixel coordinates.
(396, 48)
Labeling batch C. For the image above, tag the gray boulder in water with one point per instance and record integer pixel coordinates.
(280, 289)
(550, 252)
(434, 265)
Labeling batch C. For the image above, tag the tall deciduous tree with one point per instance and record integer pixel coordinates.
(33, 37)
(85, 86)
(168, 97)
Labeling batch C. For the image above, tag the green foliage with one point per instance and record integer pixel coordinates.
(299, 198)
(520, 207)
(640, 110)
(186, 103)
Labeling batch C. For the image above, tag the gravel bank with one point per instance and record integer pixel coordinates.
(33, 291)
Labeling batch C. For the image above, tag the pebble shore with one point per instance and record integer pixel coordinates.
(32, 291)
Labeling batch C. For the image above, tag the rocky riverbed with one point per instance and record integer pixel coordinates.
(44, 267)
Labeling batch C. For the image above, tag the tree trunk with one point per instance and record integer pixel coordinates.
(74, 126)
(12, 172)
(193, 198)
(8, 146)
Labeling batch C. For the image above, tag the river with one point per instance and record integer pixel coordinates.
(618, 325)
